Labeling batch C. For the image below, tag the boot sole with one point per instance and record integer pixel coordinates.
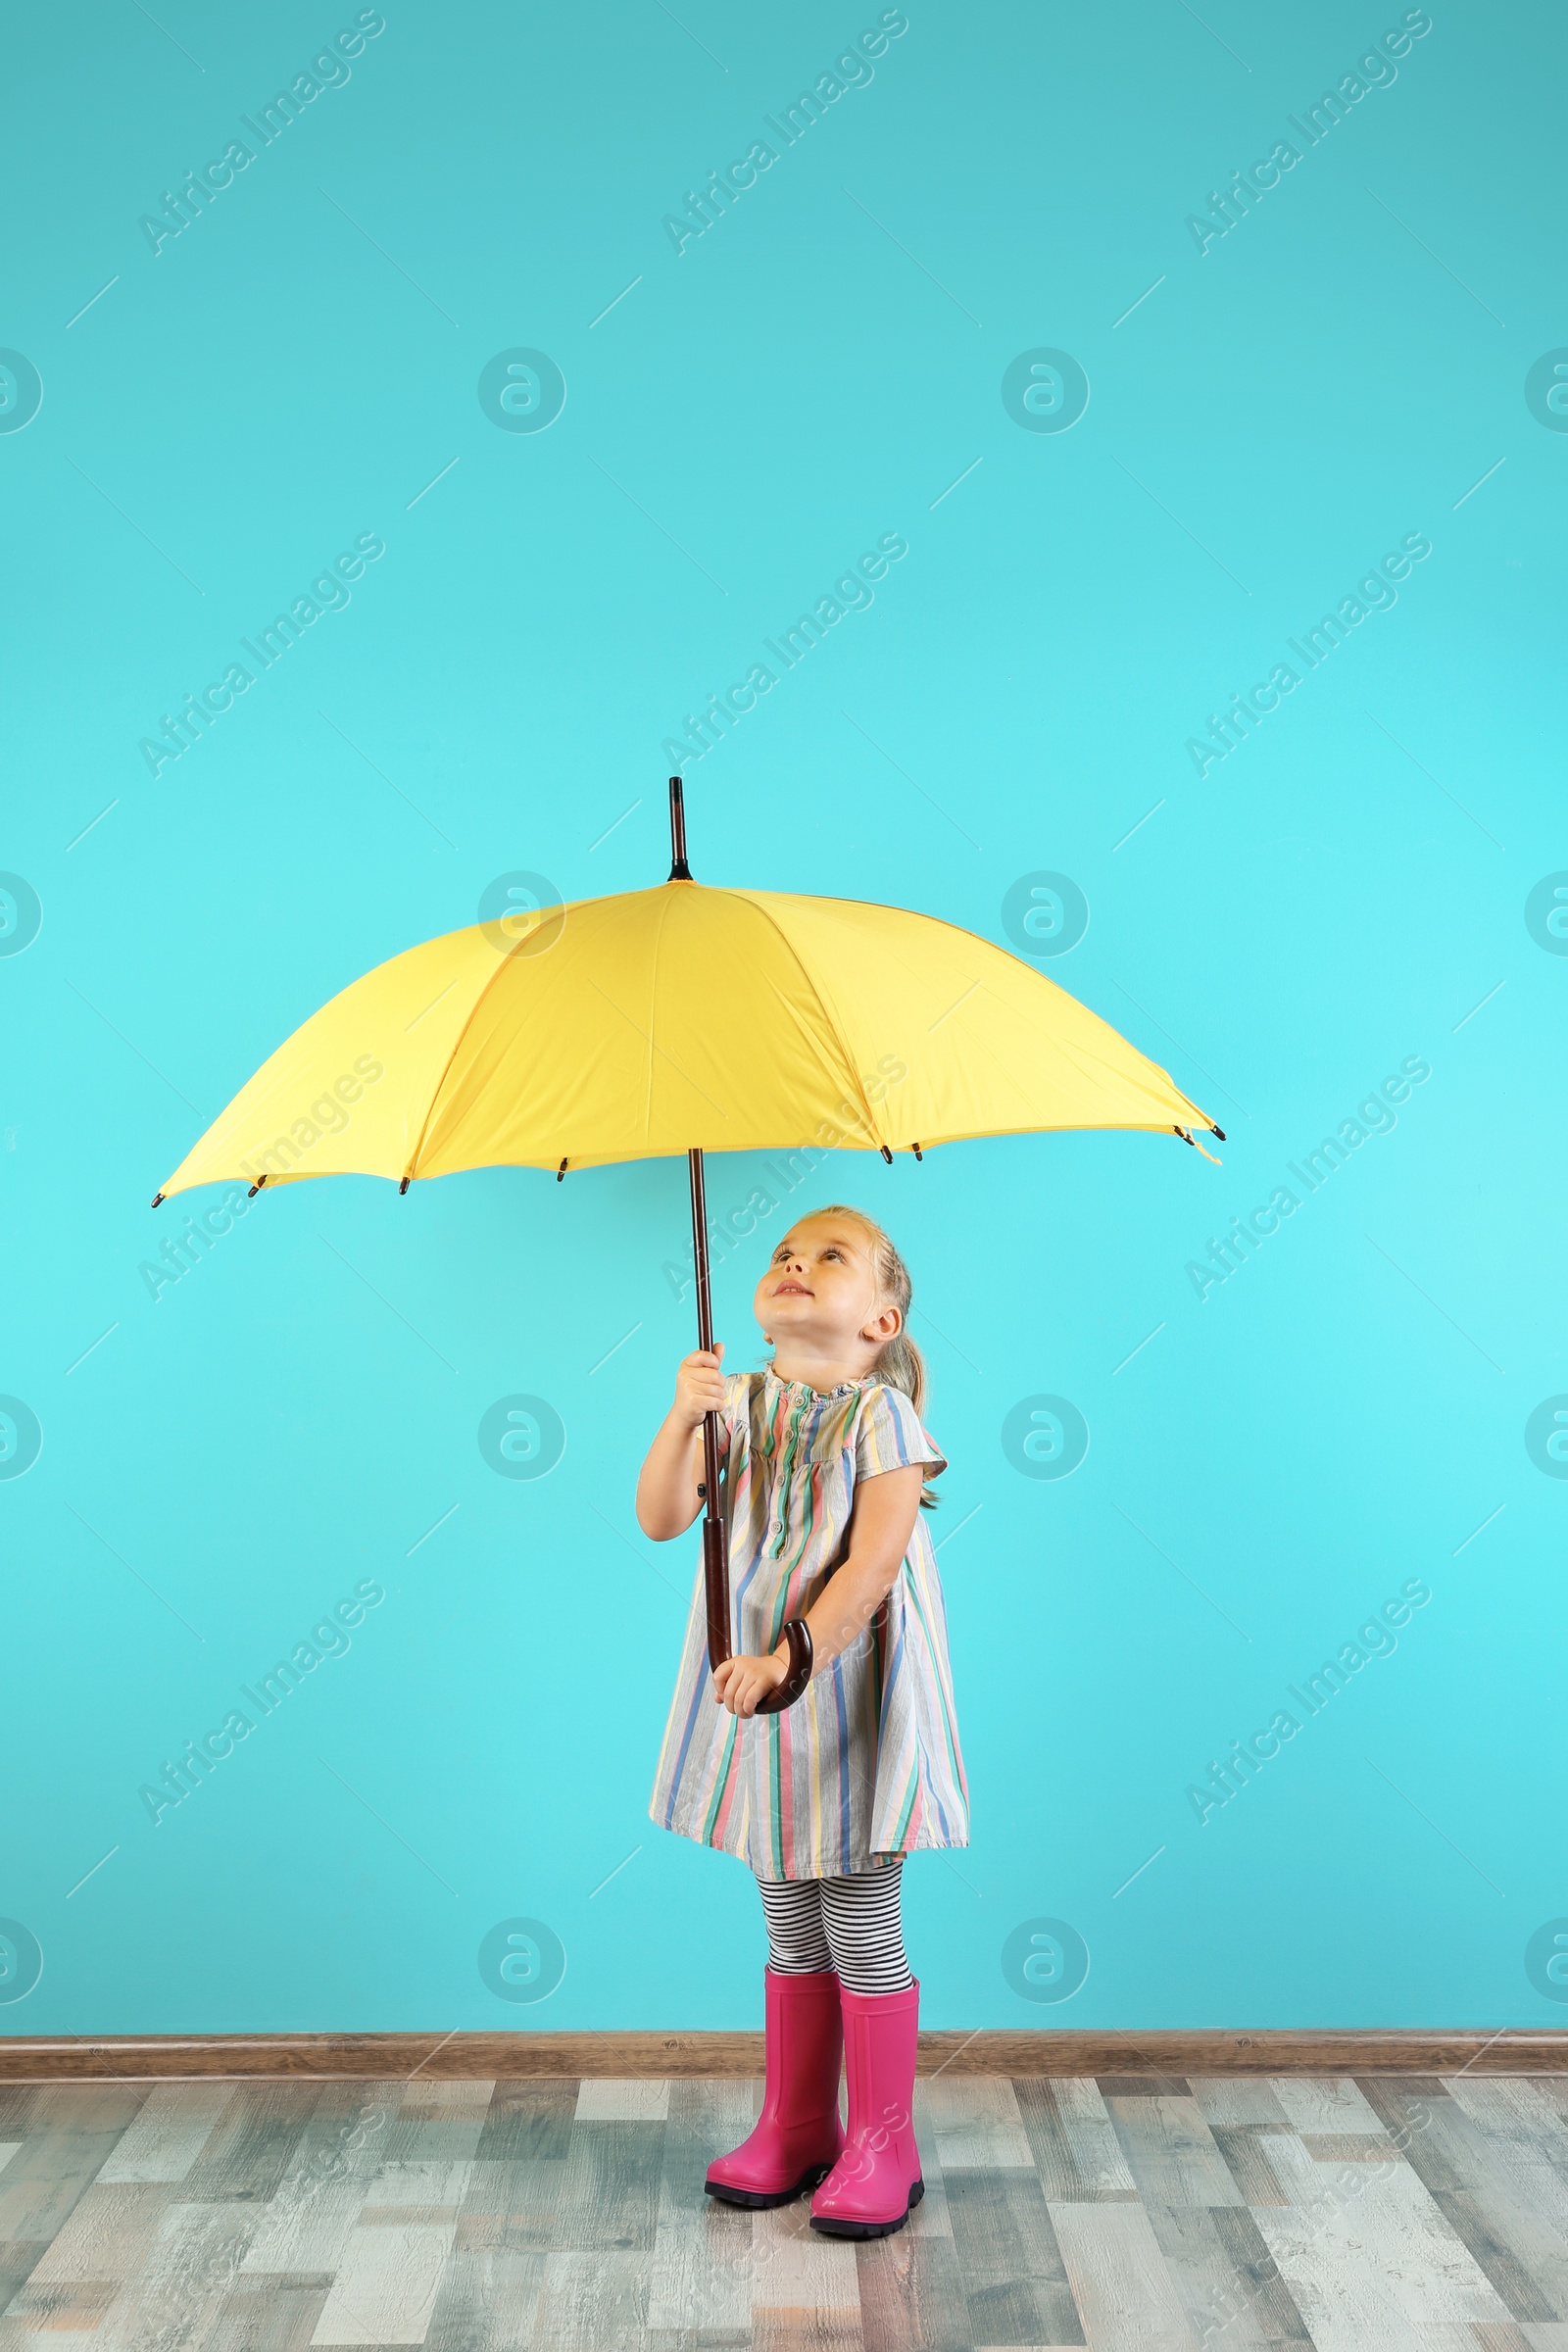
(831, 2227)
(764, 2200)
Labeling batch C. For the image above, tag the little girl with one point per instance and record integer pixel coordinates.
(824, 1461)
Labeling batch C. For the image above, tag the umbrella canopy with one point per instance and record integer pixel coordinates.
(650, 1023)
(681, 1019)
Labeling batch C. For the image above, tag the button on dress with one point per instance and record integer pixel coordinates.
(865, 1766)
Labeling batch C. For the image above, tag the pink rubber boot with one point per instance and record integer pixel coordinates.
(797, 2137)
(876, 2182)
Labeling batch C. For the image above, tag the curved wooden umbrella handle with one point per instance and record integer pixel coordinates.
(798, 1635)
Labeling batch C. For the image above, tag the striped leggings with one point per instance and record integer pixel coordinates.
(851, 1925)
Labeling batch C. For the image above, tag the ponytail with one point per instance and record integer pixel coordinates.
(901, 1365)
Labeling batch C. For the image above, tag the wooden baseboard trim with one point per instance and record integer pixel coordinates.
(458, 2057)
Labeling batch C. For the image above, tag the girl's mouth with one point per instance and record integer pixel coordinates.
(795, 1290)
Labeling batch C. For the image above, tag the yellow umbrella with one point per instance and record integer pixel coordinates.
(681, 1019)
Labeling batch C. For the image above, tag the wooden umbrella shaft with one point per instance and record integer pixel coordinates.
(715, 1548)
(716, 1536)
(716, 1543)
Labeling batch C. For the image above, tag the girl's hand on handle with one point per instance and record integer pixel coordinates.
(740, 1683)
(700, 1385)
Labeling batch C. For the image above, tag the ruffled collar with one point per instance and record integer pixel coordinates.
(804, 1388)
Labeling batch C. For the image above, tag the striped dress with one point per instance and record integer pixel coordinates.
(865, 1765)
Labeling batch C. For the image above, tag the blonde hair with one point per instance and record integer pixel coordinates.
(900, 1364)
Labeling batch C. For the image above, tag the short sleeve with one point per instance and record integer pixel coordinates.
(735, 1419)
(889, 1435)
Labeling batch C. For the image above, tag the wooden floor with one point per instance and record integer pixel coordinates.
(1133, 2214)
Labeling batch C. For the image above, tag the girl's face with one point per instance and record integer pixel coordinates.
(820, 1292)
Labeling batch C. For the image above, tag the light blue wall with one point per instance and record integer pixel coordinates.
(1344, 891)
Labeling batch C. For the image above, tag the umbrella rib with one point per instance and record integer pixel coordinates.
(655, 1048)
(468, 1019)
(1201, 1116)
(412, 1166)
(814, 1043)
(753, 899)
(1000, 1067)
